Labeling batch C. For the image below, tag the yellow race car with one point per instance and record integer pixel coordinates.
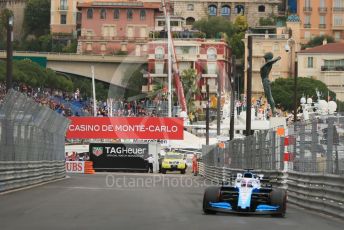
(173, 162)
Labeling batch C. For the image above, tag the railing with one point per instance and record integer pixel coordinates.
(19, 174)
(322, 26)
(320, 192)
(332, 68)
(63, 8)
(322, 9)
(307, 25)
(307, 9)
(338, 9)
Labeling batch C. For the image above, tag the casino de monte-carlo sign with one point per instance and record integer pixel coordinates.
(126, 128)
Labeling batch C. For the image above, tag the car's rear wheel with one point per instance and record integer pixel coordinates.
(163, 171)
(182, 171)
(278, 197)
(211, 194)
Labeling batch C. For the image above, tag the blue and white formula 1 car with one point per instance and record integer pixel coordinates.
(246, 195)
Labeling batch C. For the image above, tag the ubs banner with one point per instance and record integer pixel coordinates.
(126, 128)
(118, 156)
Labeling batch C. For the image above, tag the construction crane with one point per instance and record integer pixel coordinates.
(173, 70)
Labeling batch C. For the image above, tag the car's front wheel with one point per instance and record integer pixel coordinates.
(211, 194)
(278, 197)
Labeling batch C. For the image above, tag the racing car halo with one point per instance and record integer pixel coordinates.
(246, 195)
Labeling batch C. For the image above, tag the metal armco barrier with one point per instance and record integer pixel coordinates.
(323, 193)
(14, 174)
(319, 192)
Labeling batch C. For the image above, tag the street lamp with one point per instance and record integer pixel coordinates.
(289, 48)
(9, 53)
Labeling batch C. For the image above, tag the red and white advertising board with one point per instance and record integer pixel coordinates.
(126, 128)
(75, 166)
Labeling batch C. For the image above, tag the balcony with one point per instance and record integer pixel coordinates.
(307, 9)
(153, 75)
(332, 68)
(113, 38)
(338, 9)
(63, 8)
(322, 10)
(338, 27)
(322, 26)
(308, 25)
(209, 75)
(212, 89)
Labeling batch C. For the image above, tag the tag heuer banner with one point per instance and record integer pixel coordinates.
(117, 156)
(126, 128)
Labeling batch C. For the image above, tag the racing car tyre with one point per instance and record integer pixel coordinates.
(211, 194)
(163, 171)
(279, 197)
(182, 171)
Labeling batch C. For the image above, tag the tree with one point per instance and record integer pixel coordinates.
(214, 26)
(318, 40)
(267, 21)
(189, 81)
(241, 23)
(133, 82)
(37, 17)
(283, 91)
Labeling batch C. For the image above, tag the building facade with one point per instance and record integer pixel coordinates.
(324, 63)
(192, 11)
(65, 18)
(117, 27)
(210, 59)
(321, 17)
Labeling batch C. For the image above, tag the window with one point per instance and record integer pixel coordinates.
(261, 8)
(63, 19)
(88, 46)
(130, 32)
(307, 3)
(276, 47)
(143, 15)
(103, 47)
(322, 3)
(211, 68)
(338, 21)
(239, 9)
(143, 32)
(159, 53)
(190, 7)
(338, 3)
(63, 5)
(129, 14)
(102, 13)
(307, 19)
(174, 23)
(307, 34)
(310, 62)
(190, 21)
(337, 36)
(211, 54)
(322, 20)
(159, 67)
(225, 11)
(89, 13)
(116, 13)
(161, 23)
(212, 10)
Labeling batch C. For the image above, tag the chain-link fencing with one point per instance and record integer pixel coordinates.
(29, 131)
(314, 146)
